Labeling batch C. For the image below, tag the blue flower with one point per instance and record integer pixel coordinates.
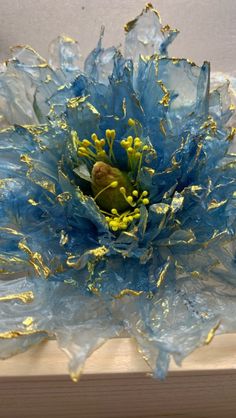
(117, 199)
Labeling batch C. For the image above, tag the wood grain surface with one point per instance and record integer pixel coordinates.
(116, 383)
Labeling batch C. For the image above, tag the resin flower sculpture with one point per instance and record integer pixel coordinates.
(117, 199)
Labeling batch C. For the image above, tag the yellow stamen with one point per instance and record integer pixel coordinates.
(113, 185)
(86, 143)
(131, 122)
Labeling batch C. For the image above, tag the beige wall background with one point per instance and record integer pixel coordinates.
(208, 27)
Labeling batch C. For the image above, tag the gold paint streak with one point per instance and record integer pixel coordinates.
(177, 202)
(8, 335)
(195, 274)
(127, 292)
(199, 148)
(175, 60)
(162, 127)
(68, 39)
(211, 333)
(11, 231)
(63, 197)
(25, 297)
(26, 159)
(47, 185)
(36, 260)
(99, 252)
(232, 107)
(62, 124)
(149, 170)
(28, 321)
(162, 275)
(93, 289)
(162, 210)
(232, 134)
(75, 376)
(71, 282)
(63, 238)
(195, 188)
(214, 204)
(165, 28)
(94, 110)
(130, 25)
(48, 78)
(32, 202)
(166, 98)
(211, 124)
(36, 130)
(76, 101)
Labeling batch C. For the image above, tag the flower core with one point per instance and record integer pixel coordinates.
(116, 191)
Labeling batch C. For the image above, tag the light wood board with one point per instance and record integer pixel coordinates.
(116, 383)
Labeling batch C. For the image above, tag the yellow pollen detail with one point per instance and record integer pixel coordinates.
(131, 122)
(94, 137)
(114, 184)
(86, 143)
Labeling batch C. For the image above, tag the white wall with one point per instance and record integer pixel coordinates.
(208, 27)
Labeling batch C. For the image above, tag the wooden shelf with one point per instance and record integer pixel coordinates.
(116, 383)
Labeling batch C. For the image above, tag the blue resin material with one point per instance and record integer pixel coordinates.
(169, 279)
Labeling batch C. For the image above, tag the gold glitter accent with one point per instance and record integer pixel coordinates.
(127, 292)
(71, 282)
(68, 39)
(94, 110)
(25, 297)
(211, 124)
(11, 231)
(47, 185)
(162, 274)
(195, 274)
(165, 28)
(48, 79)
(75, 376)
(36, 130)
(36, 260)
(214, 204)
(232, 134)
(149, 170)
(62, 124)
(76, 101)
(8, 335)
(32, 202)
(232, 107)
(99, 252)
(130, 25)
(28, 321)
(162, 209)
(211, 333)
(162, 127)
(63, 197)
(93, 289)
(26, 159)
(166, 98)
(63, 238)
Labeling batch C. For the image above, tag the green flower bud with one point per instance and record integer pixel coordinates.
(106, 184)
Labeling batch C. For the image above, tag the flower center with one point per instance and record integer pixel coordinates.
(116, 192)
